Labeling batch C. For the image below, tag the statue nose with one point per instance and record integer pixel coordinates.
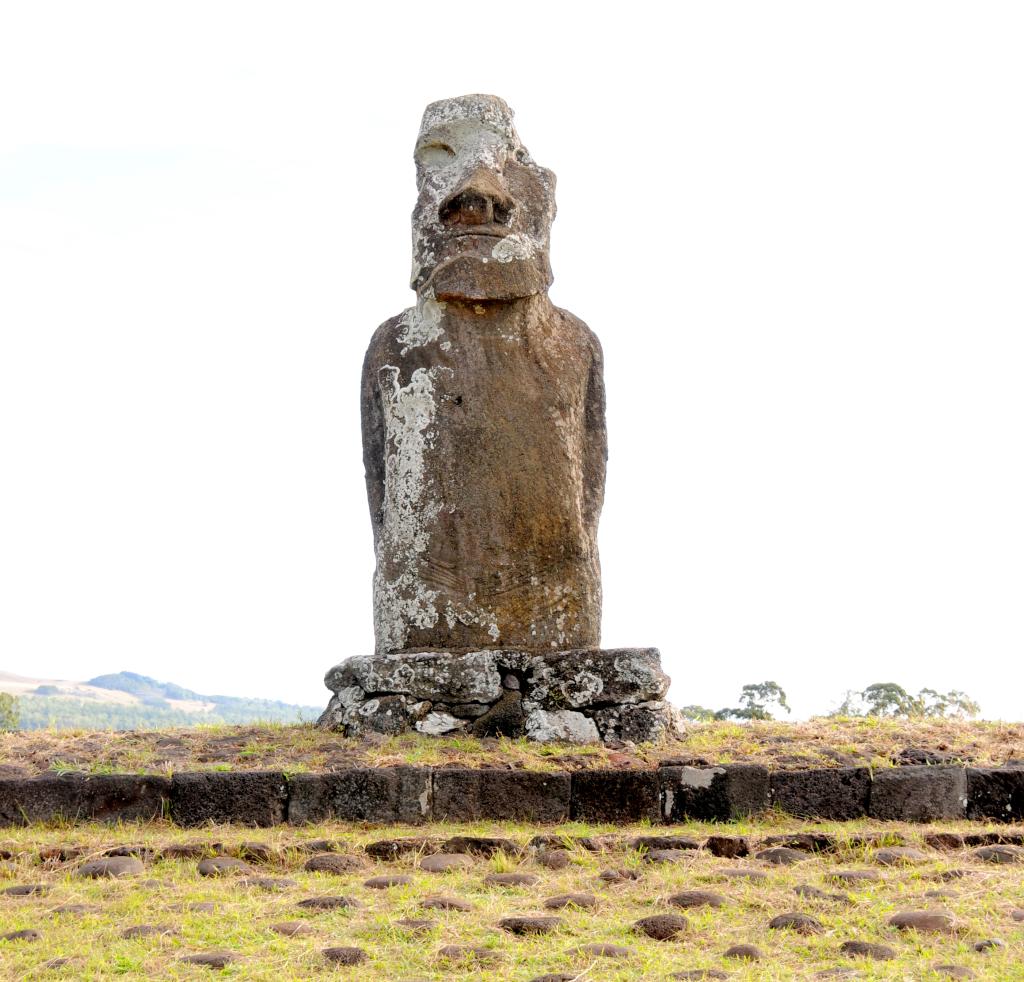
(480, 199)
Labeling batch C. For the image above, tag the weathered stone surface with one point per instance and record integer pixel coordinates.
(727, 846)
(614, 796)
(79, 797)
(995, 793)
(835, 794)
(565, 725)
(530, 924)
(662, 927)
(644, 722)
(867, 949)
(245, 798)
(465, 795)
(796, 921)
(579, 696)
(363, 794)
(918, 793)
(690, 899)
(927, 921)
(111, 867)
(592, 677)
(713, 794)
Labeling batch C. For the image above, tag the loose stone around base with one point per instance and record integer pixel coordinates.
(582, 695)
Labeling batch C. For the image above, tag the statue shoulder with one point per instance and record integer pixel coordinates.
(383, 348)
(578, 328)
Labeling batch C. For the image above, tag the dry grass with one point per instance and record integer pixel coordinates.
(165, 894)
(818, 743)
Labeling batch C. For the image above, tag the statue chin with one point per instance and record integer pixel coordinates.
(468, 278)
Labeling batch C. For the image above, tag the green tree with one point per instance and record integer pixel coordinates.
(888, 700)
(759, 700)
(9, 712)
(698, 714)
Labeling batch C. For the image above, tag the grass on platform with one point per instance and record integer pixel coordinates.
(294, 748)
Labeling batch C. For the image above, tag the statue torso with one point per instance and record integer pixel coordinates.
(486, 532)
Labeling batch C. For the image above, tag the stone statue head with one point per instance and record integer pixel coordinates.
(482, 222)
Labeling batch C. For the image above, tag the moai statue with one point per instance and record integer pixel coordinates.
(484, 447)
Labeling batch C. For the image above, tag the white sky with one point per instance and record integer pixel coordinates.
(796, 227)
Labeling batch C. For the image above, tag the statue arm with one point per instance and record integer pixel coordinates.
(374, 441)
(596, 451)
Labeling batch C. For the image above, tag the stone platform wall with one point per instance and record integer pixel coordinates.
(413, 795)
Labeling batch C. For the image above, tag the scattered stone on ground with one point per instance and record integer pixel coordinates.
(147, 931)
(928, 921)
(782, 856)
(795, 921)
(327, 903)
(461, 952)
(223, 866)
(662, 927)
(849, 876)
(603, 949)
(477, 845)
(953, 971)
(334, 862)
(270, 883)
(585, 901)
(804, 841)
(26, 934)
(867, 949)
(345, 955)
(1000, 854)
(652, 842)
(989, 944)
(210, 959)
(111, 867)
(445, 903)
(900, 856)
(744, 952)
(530, 925)
(416, 925)
(689, 899)
(668, 855)
(699, 973)
(388, 849)
(742, 874)
(442, 862)
(26, 890)
(727, 846)
(621, 875)
(291, 929)
(387, 881)
(552, 858)
(511, 879)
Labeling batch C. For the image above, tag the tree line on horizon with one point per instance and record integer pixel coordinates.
(883, 700)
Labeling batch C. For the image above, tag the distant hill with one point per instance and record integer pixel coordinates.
(128, 701)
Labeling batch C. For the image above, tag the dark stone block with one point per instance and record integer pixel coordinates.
(713, 794)
(918, 793)
(101, 797)
(995, 793)
(246, 798)
(362, 794)
(837, 794)
(615, 796)
(524, 796)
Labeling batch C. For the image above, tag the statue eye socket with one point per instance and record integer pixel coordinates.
(434, 154)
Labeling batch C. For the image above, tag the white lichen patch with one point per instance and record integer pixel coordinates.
(421, 324)
(515, 246)
(405, 600)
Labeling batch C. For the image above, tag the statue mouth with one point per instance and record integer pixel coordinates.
(485, 231)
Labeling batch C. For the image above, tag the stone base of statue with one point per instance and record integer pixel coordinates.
(585, 695)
